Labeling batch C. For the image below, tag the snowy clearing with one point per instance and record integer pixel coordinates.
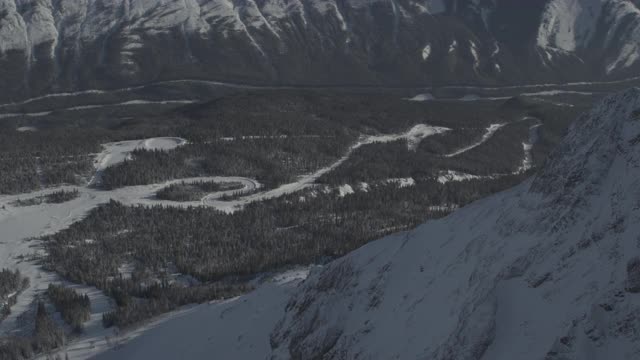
(491, 130)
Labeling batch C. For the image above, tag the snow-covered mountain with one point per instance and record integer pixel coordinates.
(547, 270)
(56, 45)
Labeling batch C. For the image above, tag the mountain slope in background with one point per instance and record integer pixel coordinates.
(57, 45)
(547, 270)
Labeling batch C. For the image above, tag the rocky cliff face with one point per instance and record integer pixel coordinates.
(56, 45)
(548, 270)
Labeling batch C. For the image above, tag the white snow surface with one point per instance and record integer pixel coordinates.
(536, 272)
(413, 137)
(426, 52)
(345, 190)
(491, 130)
(26, 129)
(422, 97)
(453, 46)
(456, 176)
(473, 48)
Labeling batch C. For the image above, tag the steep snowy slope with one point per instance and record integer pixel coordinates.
(548, 270)
(65, 45)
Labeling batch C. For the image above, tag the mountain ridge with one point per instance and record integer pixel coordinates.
(65, 45)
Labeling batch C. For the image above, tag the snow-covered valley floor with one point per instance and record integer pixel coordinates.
(21, 224)
(548, 90)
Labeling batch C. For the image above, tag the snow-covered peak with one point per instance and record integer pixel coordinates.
(569, 24)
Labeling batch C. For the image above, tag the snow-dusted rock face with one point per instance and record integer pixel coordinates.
(578, 27)
(568, 24)
(59, 45)
(548, 270)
